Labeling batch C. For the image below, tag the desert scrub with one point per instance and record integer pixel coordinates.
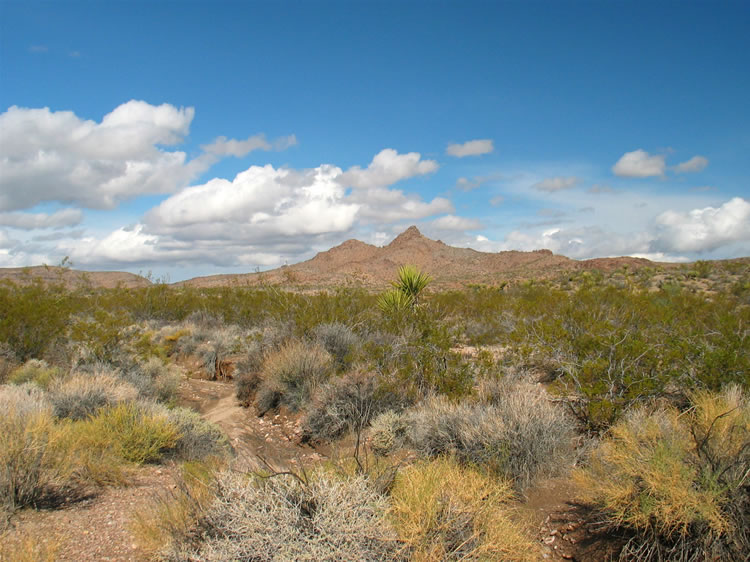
(134, 433)
(35, 464)
(288, 518)
(445, 511)
(197, 439)
(340, 341)
(82, 395)
(291, 375)
(153, 378)
(388, 433)
(344, 404)
(36, 371)
(677, 481)
(521, 435)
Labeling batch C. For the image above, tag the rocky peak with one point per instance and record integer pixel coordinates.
(409, 235)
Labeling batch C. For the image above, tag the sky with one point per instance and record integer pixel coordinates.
(187, 138)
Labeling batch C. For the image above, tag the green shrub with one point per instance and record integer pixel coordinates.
(34, 316)
(82, 395)
(291, 375)
(36, 371)
(677, 481)
(133, 432)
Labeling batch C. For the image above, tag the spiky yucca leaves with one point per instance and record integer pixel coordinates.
(406, 291)
(412, 282)
(395, 302)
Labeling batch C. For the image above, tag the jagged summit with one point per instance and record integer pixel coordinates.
(408, 235)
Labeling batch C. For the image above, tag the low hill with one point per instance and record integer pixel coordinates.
(73, 278)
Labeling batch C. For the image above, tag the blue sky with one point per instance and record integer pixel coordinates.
(190, 138)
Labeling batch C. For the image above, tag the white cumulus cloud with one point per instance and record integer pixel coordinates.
(266, 215)
(639, 164)
(387, 168)
(558, 183)
(702, 230)
(57, 156)
(695, 164)
(470, 148)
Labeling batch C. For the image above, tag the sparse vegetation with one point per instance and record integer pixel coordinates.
(491, 388)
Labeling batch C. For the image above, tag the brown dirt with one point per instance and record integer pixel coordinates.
(97, 528)
(566, 528)
(274, 438)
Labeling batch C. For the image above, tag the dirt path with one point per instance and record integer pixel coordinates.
(99, 528)
(274, 437)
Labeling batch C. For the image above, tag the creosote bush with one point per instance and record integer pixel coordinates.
(291, 375)
(678, 481)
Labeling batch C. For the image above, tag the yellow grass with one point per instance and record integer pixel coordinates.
(442, 510)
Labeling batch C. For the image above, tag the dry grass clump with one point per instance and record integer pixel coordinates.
(291, 375)
(154, 379)
(81, 395)
(520, 435)
(198, 439)
(445, 511)
(280, 518)
(678, 481)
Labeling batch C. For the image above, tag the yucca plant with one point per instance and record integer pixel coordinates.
(406, 290)
(411, 282)
(395, 302)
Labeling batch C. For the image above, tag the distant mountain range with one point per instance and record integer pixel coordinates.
(356, 263)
